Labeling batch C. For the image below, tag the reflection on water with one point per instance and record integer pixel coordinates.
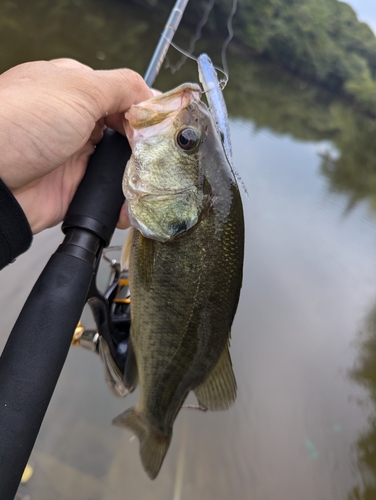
(297, 430)
(364, 374)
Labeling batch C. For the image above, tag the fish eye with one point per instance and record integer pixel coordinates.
(188, 139)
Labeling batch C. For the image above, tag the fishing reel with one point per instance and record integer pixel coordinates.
(111, 312)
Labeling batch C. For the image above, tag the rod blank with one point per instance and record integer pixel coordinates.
(165, 41)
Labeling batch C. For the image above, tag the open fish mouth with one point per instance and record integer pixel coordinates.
(166, 195)
(180, 214)
(155, 194)
(135, 189)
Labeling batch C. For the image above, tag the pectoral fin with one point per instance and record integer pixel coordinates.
(112, 373)
(130, 370)
(218, 392)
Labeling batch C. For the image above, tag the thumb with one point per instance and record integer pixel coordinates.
(115, 91)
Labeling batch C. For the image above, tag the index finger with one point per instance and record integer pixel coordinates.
(114, 91)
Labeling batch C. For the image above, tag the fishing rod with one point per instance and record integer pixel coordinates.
(164, 42)
(38, 344)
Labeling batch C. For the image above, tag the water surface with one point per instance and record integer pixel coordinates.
(303, 340)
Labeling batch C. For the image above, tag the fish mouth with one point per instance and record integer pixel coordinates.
(141, 210)
(152, 112)
(166, 195)
(153, 193)
(135, 189)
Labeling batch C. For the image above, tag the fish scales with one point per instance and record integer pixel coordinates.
(184, 290)
(185, 337)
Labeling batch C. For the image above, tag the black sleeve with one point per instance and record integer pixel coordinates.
(15, 231)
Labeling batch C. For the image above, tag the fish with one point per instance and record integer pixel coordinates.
(185, 266)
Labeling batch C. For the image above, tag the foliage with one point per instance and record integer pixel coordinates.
(321, 40)
(106, 35)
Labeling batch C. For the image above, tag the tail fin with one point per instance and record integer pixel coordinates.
(153, 448)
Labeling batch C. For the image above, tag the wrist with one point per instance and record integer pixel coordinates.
(15, 230)
(22, 200)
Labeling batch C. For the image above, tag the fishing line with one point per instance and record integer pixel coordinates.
(230, 36)
(222, 83)
(189, 53)
(175, 67)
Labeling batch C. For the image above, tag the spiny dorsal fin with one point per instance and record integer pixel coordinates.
(218, 392)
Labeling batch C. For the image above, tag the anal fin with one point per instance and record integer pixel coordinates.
(218, 391)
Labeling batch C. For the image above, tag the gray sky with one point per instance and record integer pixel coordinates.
(366, 11)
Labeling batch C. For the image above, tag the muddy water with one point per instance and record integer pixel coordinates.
(303, 338)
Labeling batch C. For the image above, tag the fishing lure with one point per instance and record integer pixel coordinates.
(213, 92)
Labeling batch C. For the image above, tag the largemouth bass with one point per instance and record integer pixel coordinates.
(185, 266)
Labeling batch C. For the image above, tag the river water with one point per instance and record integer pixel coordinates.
(304, 337)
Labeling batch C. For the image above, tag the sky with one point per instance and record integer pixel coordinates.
(366, 11)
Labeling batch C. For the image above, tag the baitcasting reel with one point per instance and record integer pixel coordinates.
(111, 312)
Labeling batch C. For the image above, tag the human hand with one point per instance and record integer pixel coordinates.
(53, 114)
